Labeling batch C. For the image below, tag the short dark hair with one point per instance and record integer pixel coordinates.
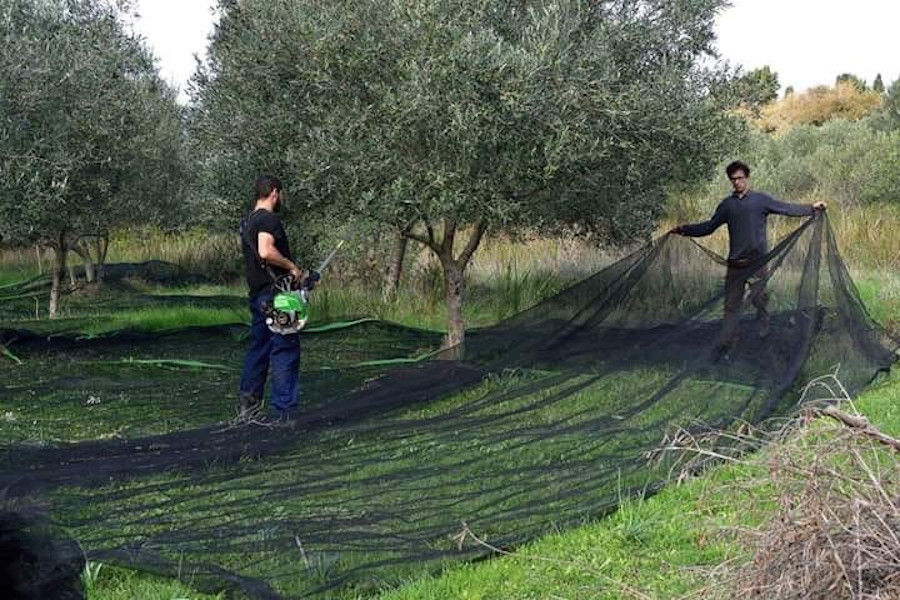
(736, 166)
(265, 185)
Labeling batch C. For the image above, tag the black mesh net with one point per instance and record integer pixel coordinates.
(541, 422)
(37, 561)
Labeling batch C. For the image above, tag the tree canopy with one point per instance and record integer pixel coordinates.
(89, 135)
(756, 88)
(851, 79)
(448, 119)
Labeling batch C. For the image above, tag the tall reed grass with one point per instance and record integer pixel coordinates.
(506, 276)
(866, 234)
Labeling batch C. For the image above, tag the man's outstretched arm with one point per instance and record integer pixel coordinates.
(793, 210)
(704, 228)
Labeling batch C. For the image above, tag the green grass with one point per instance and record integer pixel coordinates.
(657, 546)
(9, 275)
(654, 545)
(880, 292)
(111, 388)
(164, 319)
(660, 547)
(503, 278)
(370, 486)
(651, 545)
(142, 307)
(111, 583)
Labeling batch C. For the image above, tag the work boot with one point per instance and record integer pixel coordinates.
(764, 327)
(283, 416)
(250, 407)
(722, 353)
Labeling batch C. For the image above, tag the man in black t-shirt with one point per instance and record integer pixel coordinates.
(267, 253)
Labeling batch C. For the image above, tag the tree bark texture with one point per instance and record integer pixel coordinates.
(453, 292)
(83, 249)
(395, 269)
(59, 272)
(454, 272)
(101, 244)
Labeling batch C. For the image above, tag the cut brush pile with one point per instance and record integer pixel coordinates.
(836, 533)
(835, 529)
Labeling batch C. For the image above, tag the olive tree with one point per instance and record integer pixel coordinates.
(89, 135)
(451, 119)
(891, 107)
(755, 88)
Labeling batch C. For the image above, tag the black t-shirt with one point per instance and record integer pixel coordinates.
(261, 220)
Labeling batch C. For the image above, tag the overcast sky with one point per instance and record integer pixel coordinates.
(807, 42)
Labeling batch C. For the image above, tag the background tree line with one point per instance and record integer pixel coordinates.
(90, 137)
(839, 143)
(434, 123)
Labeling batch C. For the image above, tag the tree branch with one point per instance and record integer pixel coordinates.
(79, 247)
(449, 236)
(472, 244)
(408, 233)
(862, 424)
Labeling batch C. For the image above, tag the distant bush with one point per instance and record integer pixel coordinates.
(848, 162)
(818, 106)
(845, 161)
(888, 116)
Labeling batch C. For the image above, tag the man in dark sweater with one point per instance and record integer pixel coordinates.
(745, 212)
(267, 254)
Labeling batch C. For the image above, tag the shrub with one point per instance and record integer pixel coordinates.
(848, 162)
(818, 106)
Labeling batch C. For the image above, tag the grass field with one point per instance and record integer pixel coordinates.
(665, 546)
(655, 547)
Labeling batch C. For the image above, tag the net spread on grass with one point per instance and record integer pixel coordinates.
(541, 422)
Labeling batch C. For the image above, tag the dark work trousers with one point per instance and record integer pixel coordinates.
(738, 277)
(268, 350)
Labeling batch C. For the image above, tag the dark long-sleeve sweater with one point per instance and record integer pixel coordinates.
(746, 219)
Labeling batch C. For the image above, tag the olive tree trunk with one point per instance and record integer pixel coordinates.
(73, 279)
(83, 249)
(60, 250)
(454, 269)
(395, 269)
(453, 296)
(101, 245)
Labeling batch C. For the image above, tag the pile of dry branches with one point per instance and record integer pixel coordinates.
(836, 531)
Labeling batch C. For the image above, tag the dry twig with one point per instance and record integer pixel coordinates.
(862, 424)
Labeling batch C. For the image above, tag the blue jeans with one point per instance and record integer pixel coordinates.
(280, 352)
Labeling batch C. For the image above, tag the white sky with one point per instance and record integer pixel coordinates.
(176, 30)
(810, 42)
(807, 42)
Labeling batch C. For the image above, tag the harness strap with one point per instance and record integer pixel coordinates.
(244, 229)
